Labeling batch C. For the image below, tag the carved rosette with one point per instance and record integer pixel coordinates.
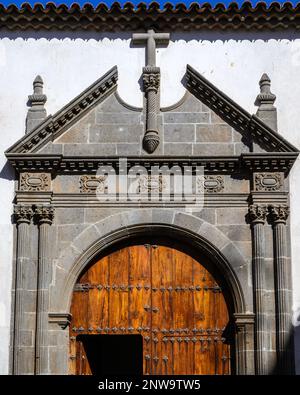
(268, 181)
(258, 213)
(44, 214)
(151, 78)
(35, 182)
(210, 184)
(23, 214)
(151, 183)
(279, 213)
(91, 184)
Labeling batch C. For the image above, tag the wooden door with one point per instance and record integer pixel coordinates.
(161, 293)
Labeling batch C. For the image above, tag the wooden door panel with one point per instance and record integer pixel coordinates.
(161, 293)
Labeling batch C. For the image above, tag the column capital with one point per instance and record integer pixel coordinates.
(23, 214)
(279, 213)
(44, 214)
(258, 213)
(151, 78)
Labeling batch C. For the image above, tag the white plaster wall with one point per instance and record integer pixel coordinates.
(68, 63)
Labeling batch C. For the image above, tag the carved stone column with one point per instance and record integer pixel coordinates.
(257, 214)
(279, 214)
(44, 216)
(22, 215)
(151, 79)
(245, 343)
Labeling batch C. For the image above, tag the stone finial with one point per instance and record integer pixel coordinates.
(265, 102)
(37, 112)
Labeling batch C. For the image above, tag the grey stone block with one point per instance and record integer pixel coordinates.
(116, 133)
(237, 233)
(92, 215)
(180, 149)
(129, 149)
(240, 148)
(52, 148)
(66, 184)
(186, 117)
(187, 221)
(90, 149)
(162, 216)
(26, 338)
(190, 104)
(111, 104)
(26, 360)
(213, 133)
(213, 235)
(86, 238)
(69, 232)
(29, 298)
(78, 133)
(179, 133)
(70, 215)
(58, 360)
(30, 274)
(236, 259)
(133, 118)
(207, 215)
(233, 216)
(213, 149)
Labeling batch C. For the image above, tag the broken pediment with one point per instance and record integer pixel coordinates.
(205, 123)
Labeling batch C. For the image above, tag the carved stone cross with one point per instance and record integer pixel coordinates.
(151, 39)
(151, 79)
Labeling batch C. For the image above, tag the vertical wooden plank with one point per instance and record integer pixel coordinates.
(98, 295)
(140, 298)
(162, 307)
(118, 297)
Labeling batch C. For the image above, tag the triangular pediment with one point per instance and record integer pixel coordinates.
(250, 126)
(54, 125)
(205, 124)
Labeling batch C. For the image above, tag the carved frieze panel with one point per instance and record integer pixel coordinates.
(210, 184)
(35, 182)
(91, 184)
(268, 182)
(152, 183)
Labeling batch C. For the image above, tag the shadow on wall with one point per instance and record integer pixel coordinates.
(211, 36)
(7, 172)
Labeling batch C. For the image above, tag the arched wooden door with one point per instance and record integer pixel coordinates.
(161, 293)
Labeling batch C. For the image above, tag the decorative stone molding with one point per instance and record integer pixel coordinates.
(151, 183)
(151, 78)
(265, 100)
(61, 319)
(44, 214)
(35, 182)
(268, 181)
(36, 113)
(91, 184)
(258, 213)
(210, 184)
(279, 213)
(23, 214)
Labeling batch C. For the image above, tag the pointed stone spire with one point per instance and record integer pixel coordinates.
(265, 102)
(37, 112)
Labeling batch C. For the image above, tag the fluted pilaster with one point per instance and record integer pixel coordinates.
(44, 216)
(279, 215)
(257, 216)
(22, 215)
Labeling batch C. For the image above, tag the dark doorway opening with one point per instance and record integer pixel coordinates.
(113, 354)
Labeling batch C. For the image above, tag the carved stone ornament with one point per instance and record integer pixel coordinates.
(210, 183)
(91, 184)
(279, 213)
(151, 78)
(35, 182)
(151, 183)
(44, 214)
(258, 213)
(268, 181)
(23, 214)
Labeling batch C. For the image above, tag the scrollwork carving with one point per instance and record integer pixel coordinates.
(279, 213)
(35, 182)
(44, 214)
(268, 181)
(257, 213)
(91, 184)
(23, 214)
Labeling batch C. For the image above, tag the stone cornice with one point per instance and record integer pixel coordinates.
(55, 124)
(218, 164)
(234, 114)
(169, 17)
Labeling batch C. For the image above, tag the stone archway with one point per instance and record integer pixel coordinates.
(204, 236)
